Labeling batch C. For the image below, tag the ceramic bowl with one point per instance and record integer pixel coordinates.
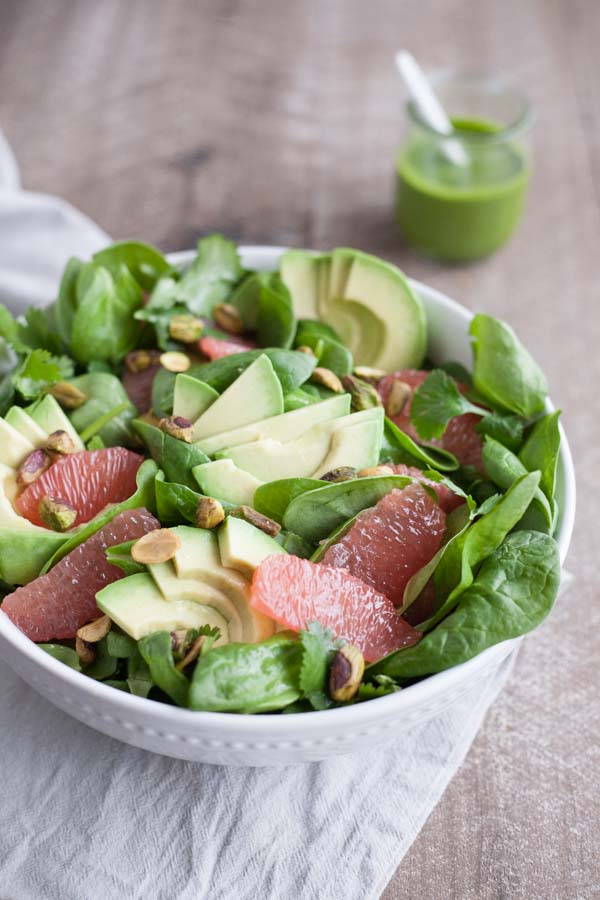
(266, 740)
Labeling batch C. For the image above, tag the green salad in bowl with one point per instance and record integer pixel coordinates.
(242, 491)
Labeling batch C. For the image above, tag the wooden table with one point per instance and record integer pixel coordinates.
(277, 123)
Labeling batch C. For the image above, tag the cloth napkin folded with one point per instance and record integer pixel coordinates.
(84, 817)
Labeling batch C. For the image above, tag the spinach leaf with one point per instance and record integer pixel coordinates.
(38, 371)
(330, 351)
(153, 438)
(105, 665)
(294, 544)
(157, 651)
(175, 503)
(248, 678)
(144, 497)
(178, 460)
(103, 325)
(8, 362)
(540, 451)
(246, 298)
(336, 535)
(39, 331)
(297, 399)
(508, 430)
(276, 322)
(504, 371)
(292, 368)
(139, 678)
(146, 263)
(316, 513)
(66, 302)
(319, 647)
(119, 645)
(120, 555)
(513, 592)
(456, 568)
(504, 468)
(273, 499)
(64, 654)
(398, 447)
(104, 393)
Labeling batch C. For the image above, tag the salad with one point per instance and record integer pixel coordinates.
(253, 492)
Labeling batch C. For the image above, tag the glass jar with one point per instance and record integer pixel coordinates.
(460, 197)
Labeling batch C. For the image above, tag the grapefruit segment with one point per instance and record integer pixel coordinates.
(459, 438)
(447, 499)
(56, 604)
(87, 481)
(217, 348)
(296, 591)
(388, 543)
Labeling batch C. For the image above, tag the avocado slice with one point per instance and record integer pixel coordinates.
(199, 559)
(341, 263)
(222, 479)
(25, 425)
(378, 317)
(358, 446)
(271, 460)
(243, 547)
(23, 551)
(254, 395)
(283, 427)
(13, 446)
(137, 606)
(192, 397)
(174, 589)
(50, 417)
(299, 272)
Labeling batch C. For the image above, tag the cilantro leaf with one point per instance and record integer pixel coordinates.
(8, 325)
(508, 430)
(379, 687)
(39, 370)
(319, 648)
(435, 402)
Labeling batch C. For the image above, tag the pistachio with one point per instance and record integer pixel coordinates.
(158, 546)
(228, 318)
(69, 396)
(345, 675)
(363, 395)
(56, 513)
(375, 470)
(61, 443)
(94, 631)
(140, 360)
(257, 519)
(209, 513)
(192, 654)
(342, 473)
(327, 379)
(85, 651)
(177, 427)
(32, 467)
(367, 373)
(398, 397)
(185, 329)
(174, 361)
(304, 349)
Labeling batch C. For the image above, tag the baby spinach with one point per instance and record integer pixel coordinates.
(455, 572)
(8, 361)
(272, 499)
(316, 513)
(331, 353)
(248, 678)
(246, 298)
(139, 677)
(540, 451)
(103, 325)
(120, 555)
(146, 263)
(153, 438)
(292, 368)
(297, 399)
(504, 371)
(504, 467)
(104, 665)
(120, 645)
(398, 447)
(144, 497)
(276, 322)
(178, 459)
(65, 655)
(294, 544)
(512, 593)
(66, 302)
(175, 503)
(104, 394)
(157, 652)
(508, 430)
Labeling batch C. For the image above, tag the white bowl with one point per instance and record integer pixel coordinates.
(266, 740)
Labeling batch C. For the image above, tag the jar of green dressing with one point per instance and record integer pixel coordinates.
(465, 211)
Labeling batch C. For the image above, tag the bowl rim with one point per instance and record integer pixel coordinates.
(362, 714)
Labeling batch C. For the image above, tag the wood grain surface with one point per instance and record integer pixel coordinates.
(277, 123)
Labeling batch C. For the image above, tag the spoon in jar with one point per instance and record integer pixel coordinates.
(430, 109)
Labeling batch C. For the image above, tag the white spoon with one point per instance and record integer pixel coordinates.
(431, 110)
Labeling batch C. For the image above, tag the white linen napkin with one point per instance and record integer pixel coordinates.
(84, 817)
